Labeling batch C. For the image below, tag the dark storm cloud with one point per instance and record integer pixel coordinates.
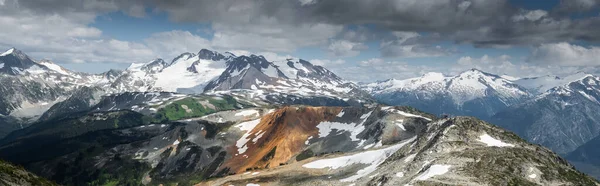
(482, 23)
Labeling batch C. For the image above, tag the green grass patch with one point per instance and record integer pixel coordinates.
(196, 107)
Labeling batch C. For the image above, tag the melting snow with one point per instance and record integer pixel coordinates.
(339, 115)
(409, 158)
(308, 140)
(372, 158)
(258, 136)
(247, 113)
(176, 142)
(245, 126)
(326, 127)
(532, 176)
(487, 139)
(252, 184)
(1, 65)
(434, 170)
(411, 115)
(400, 124)
(400, 174)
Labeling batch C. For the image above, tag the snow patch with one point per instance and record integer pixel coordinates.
(490, 141)
(532, 176)
(245, 126)
(409, 158)
(400, 123)
(308, 140)
(371, 158)
(326, 127)
(339, 115)
(400, 174)
(412, 115)
(434, 170)
(247, 113)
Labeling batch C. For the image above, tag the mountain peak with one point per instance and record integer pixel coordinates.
(210, 55)
(9, 51)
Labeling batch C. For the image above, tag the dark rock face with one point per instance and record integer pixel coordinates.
(155, 66)
(210, 55)
(15, 62)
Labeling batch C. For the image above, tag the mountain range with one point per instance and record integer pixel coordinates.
(33, 87)
(211, 118)
(557, 112)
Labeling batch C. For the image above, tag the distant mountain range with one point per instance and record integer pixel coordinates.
(472, 93)
(560, 113)
(213, 118)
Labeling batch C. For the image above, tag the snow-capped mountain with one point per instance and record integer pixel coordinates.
(212, 72)
(472, 92)
(31, 87)
(542, 84)
(562, 118)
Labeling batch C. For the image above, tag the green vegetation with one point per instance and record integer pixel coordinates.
(196, 107)
(15, 175)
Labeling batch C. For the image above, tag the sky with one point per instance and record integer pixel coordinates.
(360, 40)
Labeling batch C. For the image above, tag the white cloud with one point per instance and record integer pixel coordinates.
(503, 65)
(344, 48)
(565, 54)
(412, 45)
(327, 62)
(531, 15)
(307, 2)
(65, 39)
(380, 69)
(172, 43)
(270, 35)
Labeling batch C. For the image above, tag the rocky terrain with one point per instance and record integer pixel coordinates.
(11, 175)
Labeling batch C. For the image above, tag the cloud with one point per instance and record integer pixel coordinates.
(565, 54)
(63, 37)
(269, 35)
(380, 68)
(282, 25)
(327, 62)
(412, 44)
(530, 15)
(172, 43)
(344, 48)
(567, 6)
(504, 64)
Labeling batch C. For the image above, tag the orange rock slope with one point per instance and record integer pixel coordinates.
(285, 132)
